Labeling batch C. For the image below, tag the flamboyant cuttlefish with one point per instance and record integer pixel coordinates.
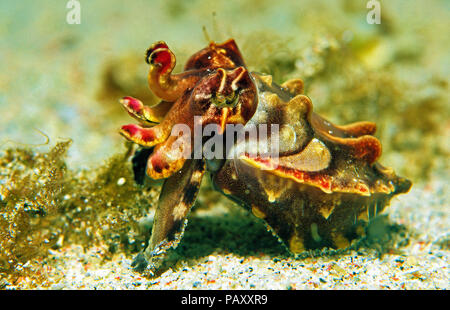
(317, 191)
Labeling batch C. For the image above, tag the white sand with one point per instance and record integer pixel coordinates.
(423, 264)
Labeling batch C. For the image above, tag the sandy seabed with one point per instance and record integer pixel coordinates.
(422, 264)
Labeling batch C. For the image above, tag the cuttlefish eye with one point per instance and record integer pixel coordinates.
(223, 101)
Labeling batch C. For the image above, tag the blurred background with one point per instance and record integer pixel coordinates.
(65, 79)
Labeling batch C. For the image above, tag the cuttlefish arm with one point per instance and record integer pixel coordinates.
(178, 194)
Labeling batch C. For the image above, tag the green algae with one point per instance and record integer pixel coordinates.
(31, 192)
(44, 205)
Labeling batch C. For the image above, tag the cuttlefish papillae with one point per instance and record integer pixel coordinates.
(320, 189)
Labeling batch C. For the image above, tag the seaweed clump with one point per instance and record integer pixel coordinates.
(44, 205)
(30, 195)
(106, 206)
